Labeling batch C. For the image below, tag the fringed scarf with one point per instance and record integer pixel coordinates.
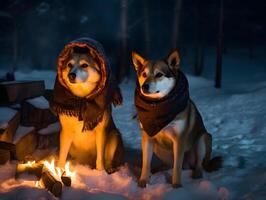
(155, 115)
(90, 111)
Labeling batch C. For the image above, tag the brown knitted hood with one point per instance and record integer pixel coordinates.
(94, 47)
(89, 109)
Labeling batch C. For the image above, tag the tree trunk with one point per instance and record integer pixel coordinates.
(123, 69)
(199, 43)
(15, 47)
(147, 28)
(176, 24)
(219, 51)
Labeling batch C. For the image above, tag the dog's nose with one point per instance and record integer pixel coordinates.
(72, 77)
(145, 87)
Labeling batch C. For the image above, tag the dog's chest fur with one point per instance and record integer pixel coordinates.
(85, 140)
(181, 126)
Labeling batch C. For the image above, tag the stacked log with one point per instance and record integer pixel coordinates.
(35, 112)
(26, 123)
(9, 122)
(16, 91)
(25, 141)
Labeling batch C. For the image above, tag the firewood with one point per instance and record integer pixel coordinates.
(35, 112)
(33, 169)
(16, 91)
(66, 180)
(51, 184)
(48, 137)
(9, 122)
(4, 156)
(25, 141)
(7, 147)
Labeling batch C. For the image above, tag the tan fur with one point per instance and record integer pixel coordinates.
(101, 147)
(184, 141)
(82, 88)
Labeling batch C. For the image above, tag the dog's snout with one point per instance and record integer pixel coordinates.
(145, 87)
(72, 76)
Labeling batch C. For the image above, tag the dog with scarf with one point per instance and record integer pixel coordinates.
(83, 93)
(171, 124)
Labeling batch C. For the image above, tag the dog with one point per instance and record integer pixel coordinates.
(171, 124)
(83, 93)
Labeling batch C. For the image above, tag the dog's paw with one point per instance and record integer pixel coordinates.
(111, 170)
(176, 185)
(197, 173)
(99, 166)
(142, 183)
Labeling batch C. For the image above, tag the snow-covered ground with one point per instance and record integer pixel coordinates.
(234, 115)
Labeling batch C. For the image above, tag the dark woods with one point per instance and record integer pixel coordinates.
(32, 32)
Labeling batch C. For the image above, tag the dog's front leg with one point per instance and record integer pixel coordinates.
(147, 151)
(66, 139)
(178, 160)
(100, 142)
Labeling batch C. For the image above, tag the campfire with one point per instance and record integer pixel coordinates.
(47, 174)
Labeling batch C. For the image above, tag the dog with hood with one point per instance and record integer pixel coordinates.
(83, 95)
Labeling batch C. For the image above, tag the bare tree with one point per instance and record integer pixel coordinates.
(199, 43)
(176, 24)
(10, 76)
(147, 28)
(219, 51)
(123, 68)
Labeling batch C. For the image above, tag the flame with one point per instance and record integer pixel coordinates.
(51, 167)
(30, 163)
(57, 172)
(68, 172)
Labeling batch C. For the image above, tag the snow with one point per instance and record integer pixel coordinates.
(50, 129)
(39, 102)
(234, 115)
(47, 75)
(6, 114)
(21, 132)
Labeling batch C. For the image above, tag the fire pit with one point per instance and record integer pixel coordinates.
(47, 175)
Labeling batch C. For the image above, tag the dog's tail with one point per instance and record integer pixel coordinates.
(211, 164)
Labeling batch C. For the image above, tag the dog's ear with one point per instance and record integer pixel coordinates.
(138, 61)
(173, 61)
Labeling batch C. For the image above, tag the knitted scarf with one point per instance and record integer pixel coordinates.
(156, 114)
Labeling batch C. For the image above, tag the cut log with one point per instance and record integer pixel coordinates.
(16, 91)
(66, 180)
(25, 141)
(9, 122)
(4, 156)
(49, 137)
(36, 112)
(7, 150)
(50, 183)
(29, 169)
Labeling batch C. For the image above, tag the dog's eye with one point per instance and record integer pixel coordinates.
(144, 74)
(84, 65)
(69, 65)
(158, 75)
